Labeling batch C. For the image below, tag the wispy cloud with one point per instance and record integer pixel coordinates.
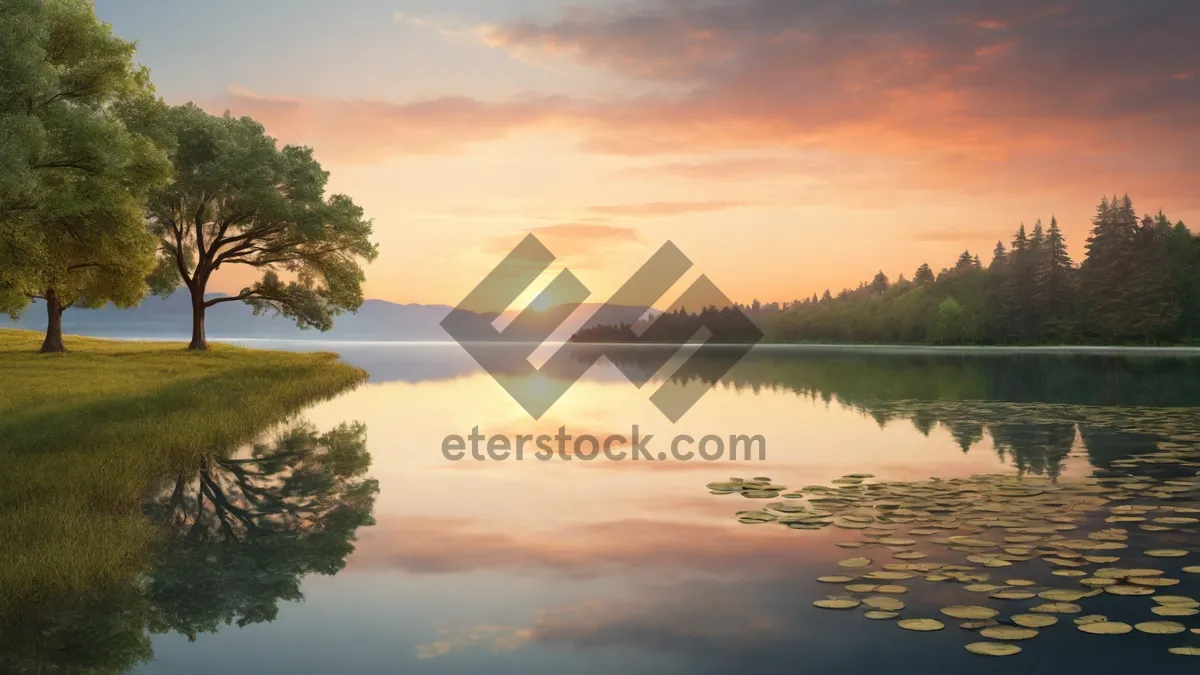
(578, 245)
(984, 96)
(654, 209)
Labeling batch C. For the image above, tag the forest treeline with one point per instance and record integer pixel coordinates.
(1138, 283)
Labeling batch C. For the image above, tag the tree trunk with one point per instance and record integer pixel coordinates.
(199, 342)
(53, 344)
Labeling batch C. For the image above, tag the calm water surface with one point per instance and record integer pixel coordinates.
(633, 566)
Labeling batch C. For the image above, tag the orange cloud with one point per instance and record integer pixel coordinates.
(1052, 107)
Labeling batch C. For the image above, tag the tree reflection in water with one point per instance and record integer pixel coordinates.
(242, 532)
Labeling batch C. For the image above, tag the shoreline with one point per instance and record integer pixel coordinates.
(84, 434)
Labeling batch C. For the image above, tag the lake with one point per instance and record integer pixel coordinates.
(966, 474)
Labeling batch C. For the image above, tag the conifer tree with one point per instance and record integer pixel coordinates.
(1056, 284)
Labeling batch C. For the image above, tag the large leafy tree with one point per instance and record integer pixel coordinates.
(76, 120)
(238, 199)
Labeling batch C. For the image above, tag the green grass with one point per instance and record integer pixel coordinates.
(84, 434)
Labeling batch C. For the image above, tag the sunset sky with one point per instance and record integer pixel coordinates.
(785, 146)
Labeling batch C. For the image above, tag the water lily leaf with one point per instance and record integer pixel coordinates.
(921, 625)
(879, 614)
(1009, 633)
(1160, 627)
(1034, 620)
(889, 575)
(883, 602)
(1129, 590)
(1062, 595)
(755, 517)
(837, 603)
(1057, 608)
(1166, 553)
(1152, 581)
(1173, 610)
(969, 612)
(993, 648)
(1179, 600)
(1106, 628)
(1012, 595)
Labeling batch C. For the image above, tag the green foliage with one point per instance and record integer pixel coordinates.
(951, 323)
(70, 425)
(79, 163)
(240, 200)
(1139, 283)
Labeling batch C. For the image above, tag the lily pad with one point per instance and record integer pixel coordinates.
(837, 603)
(1122, 589)
(1034, 620)
(755, 517)
(1012, 595)
(921, 625)
(883, 602)
(1106, 628)
(993, 648)
(969, 612)
(1166, 553)
(1009, 633)
(1160, 627)
(1057, 608)
(1179, 600)
(877, 614)
(1173, 610)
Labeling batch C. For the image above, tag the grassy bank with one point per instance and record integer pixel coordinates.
(83, 434)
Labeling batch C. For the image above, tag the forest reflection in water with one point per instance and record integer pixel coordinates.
(240, 532)
(1034, 407)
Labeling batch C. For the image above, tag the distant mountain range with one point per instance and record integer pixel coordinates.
(171, 318)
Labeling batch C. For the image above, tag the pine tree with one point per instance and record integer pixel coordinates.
(1016, 291)
(880, 283)
(964, 262)
(999, 256)
(1056, 284)
(1154, 310)
(923, 275)
(1033, 298)
(1107, 269)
